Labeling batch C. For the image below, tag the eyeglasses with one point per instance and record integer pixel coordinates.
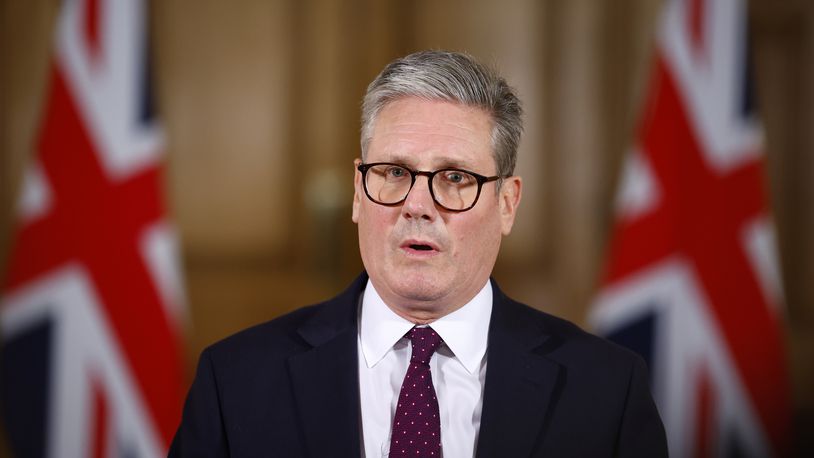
(452, 189)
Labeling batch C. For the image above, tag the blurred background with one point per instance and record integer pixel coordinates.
(260, 104)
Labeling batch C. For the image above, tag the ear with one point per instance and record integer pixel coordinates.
(357, 190)
(510, 193)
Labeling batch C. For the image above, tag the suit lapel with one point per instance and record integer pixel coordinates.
(325, 378)
(520, 382)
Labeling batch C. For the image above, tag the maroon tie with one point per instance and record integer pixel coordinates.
(417, 423)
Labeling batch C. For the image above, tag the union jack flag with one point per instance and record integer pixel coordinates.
(692, 281)
(92, 304)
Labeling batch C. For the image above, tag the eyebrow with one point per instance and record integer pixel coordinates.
(442, 163)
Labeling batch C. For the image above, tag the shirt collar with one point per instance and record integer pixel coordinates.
(464, 331)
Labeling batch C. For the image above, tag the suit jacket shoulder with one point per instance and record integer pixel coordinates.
(265, 342)
(570, 343)
(553, 389)
(287, 387)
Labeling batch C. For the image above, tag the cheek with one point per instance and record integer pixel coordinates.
(374, 228)
(479, 240)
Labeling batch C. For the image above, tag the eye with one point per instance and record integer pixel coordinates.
(456, 177)
(395, 171)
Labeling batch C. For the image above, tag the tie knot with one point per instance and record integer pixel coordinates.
(425, 341)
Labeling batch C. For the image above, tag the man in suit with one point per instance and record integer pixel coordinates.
(423, 355)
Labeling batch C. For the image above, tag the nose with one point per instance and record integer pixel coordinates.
(419, 203)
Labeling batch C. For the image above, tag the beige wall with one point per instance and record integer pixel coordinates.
(253, 90)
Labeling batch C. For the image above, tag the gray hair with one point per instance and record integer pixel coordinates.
(452, 77)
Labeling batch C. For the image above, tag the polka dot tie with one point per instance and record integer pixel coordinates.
(417, 423)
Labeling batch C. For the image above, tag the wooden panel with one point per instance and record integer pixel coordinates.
(223, 78)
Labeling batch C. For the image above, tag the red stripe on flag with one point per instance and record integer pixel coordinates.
(91, 29)
(696, 18)
(100, 421)
(706, 415)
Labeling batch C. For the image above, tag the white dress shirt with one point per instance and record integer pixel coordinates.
(458, 371)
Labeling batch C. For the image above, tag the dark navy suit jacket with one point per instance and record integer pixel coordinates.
(289, 388)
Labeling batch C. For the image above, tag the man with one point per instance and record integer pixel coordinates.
(423, 355)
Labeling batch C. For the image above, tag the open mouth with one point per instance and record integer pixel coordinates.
(420, 247)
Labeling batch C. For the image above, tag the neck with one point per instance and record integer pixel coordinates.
(425, 309)
(419, 316)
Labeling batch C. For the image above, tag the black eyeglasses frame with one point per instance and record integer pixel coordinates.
(481, 179)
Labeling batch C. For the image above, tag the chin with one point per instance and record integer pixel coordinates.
(417, 286)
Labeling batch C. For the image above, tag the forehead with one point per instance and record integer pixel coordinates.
(431, 133)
